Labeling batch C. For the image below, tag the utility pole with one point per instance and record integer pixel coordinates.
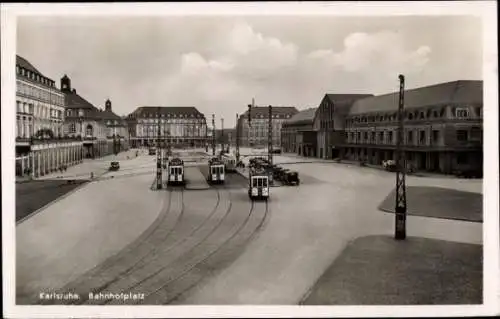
(222, 135)
(270, 137)
(158, 154)
(213, 134)
(237, 139)
(400, 209)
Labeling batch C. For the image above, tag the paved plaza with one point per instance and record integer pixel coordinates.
(212, 246)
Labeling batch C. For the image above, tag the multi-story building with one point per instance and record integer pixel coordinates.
(298, 135)
(256, 134)
(329, 123)
(117, 131)
(85, 122)
(178, 126)
(41, 146)
(442, 127)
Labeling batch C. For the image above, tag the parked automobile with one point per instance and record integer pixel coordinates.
(291, 178)
(389, 165)
(276, 150)
(114, 166)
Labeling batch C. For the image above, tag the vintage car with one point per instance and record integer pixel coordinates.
(114, 166)
(389, 165)
(291, 178)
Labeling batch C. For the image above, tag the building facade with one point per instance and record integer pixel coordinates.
(256, 134)
(85, 122)
(41, 146)
(179, 127)
(443, 128)
(117, 132)
(329, 123)
(298, 135)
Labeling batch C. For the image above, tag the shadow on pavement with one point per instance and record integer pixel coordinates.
(439, 203)
(378, 270)
(31, 196)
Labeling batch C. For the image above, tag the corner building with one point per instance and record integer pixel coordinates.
(443, 127)
(41, 145)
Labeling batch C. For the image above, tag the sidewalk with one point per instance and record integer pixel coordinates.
(97, 166)
(80, 231)
(378, 270)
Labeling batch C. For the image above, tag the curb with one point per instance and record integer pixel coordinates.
(52, 203)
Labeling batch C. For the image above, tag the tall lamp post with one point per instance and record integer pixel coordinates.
(237, 139)
(270, 136)
(213, 134)
(80, 119)
(400, 209)
(222, 135)
(158, 153)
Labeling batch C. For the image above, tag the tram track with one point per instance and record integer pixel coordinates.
(215, 261)
(176, 253)
(107, 271)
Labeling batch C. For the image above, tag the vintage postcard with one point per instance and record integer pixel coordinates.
(250, 159)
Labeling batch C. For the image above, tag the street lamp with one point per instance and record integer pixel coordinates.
(80, 119)
(400, 209)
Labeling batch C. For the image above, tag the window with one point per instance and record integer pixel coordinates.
(410, 137)
(462, 135)
(365, 136)
(381, 137)
(421, 138)
(435, 136)
(390, 137)
(372, 138)
(72, 128)
(461, 112)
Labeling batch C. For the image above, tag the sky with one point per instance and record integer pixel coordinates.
(219, 63)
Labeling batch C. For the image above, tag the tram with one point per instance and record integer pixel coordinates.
(229, 162)
(215, 171)
(175, 171)
(258, 186)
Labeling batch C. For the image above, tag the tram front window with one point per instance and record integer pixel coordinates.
(264, 182)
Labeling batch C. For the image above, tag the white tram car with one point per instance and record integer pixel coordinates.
(176, 172)
(258, 187)
(229, 162)
(215, 171)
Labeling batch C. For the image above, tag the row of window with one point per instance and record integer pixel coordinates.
(26, 129)
(421, 137)
(89, 129)
(411, 115)
(39, 110)
(40, 93)
(149, 117)
(34, 76)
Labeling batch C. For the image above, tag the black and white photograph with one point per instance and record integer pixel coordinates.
(261, 156)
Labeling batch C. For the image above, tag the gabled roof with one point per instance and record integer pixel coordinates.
(456, 92)
(303, 117)
(149, 111)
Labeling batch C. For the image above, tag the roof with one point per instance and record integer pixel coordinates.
(146, 111)
(346, 97)
(22, 62)
(302, 117)
(25, 64)
(258, 111)
(75, 101)
(456, 92)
